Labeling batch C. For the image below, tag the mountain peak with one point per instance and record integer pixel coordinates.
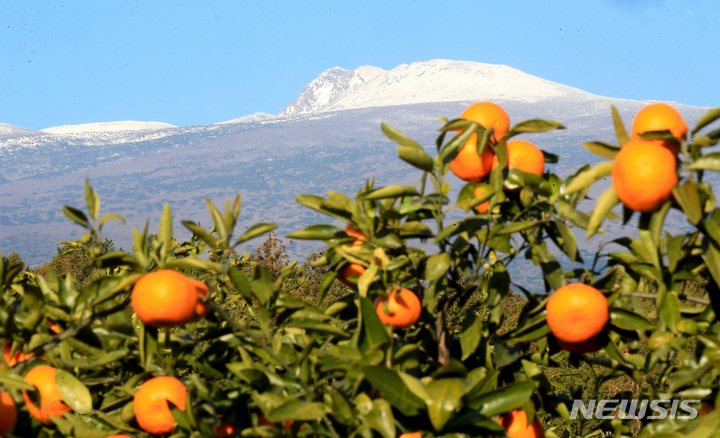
(437, 80)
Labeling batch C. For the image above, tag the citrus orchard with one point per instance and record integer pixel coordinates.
(643, 175)
(151, 404)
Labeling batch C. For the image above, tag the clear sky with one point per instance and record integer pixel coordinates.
(198, 62)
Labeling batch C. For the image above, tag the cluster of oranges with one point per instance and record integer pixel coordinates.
(164, 298)
(644, 171)
(400, 309)
(470, 166)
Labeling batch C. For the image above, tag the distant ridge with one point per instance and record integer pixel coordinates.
(126, 125)
(424, 82)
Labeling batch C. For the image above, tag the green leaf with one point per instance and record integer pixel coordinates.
(75, 215)
(74, 393)
(568, 212)
(395, 191)
(599, 148)
(317, 232)
(217, 218)
(393, 388)
(165, 232)
(471, 333)
(92, 200)
(569, 243)
(255, 231)
(373, 332)
(416, 157)
(380, 418)
(535, 125)
(110, 217)
(687, 196)
(505, 399)
(585, 179)
(706, 119)
(299, 410)
(552, 270)
(327, 281)
(670, 310)
(706, 162)
(712, 225)
(452, 148)
(444, 397)
(398, 137)
(604, 205)
(627, 320)
(514, 227)
(201, 233)
(436, 266)
(620, 131)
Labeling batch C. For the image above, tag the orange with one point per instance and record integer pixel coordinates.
(577, 313)
(644, 175)
(351, 231)
(660, 117)
(483, 207)
(152, 411)
(351, 270)
(43, 378)
(488, 115)
(411, 435)
(164, 298)
(226, 428)
(17, 357)
(119, 436)
(404, 308)
(467, 165)
(202, 306)
(525, 156)
(515, 424)
(8, 413)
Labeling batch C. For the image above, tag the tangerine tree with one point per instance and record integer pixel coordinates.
(421, 345)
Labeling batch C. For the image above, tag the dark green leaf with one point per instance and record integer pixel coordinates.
(627, 320)
(505, 399)
(373, 332)
(471, 333)
(392, 387)
(75, 215)
(297, 410)
(444, 397)
(670, 310)
(535, 125)
(74, 393)
(436, 266)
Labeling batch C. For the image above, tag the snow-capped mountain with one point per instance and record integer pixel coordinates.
(122, 126)
(424, 82)
(327, 139)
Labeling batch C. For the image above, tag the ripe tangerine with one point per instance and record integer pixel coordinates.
(515, 424)
(8, 413)
(404, 307)
(43, 378)
(644, 175)
(150, 404)
(577, 313)
(660, 117)
(525, 156)
(164, 298)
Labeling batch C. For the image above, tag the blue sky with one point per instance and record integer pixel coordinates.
(194, 62)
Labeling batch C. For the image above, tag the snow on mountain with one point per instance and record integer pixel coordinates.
(7, 130)
(424, 82)
(106, 127)
(256, 117)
